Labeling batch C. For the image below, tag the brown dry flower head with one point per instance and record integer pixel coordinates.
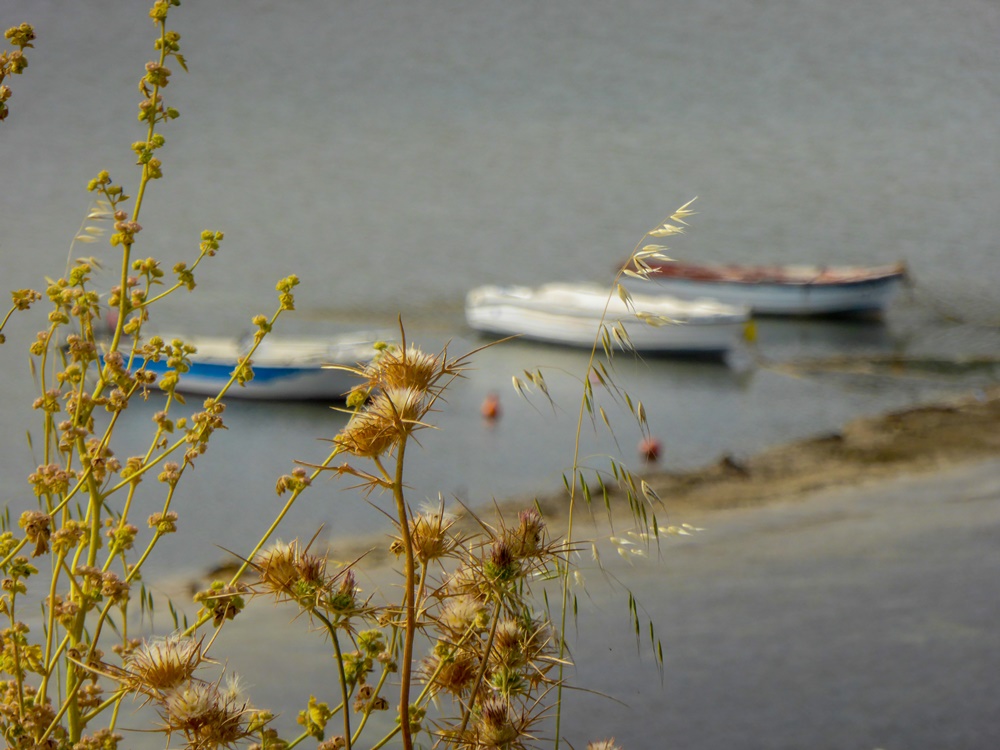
(496, 726)
(205, 714)
(608, 744)
(507, 645)
(451, 669)
(396, 367)
(365, 436)
(286, 570)
(430, 537)
(380, 426)
(38, 530)
(529, 536)
(162, 664)
(523, 648)
(462, 613)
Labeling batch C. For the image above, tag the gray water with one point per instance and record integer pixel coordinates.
(394, 154)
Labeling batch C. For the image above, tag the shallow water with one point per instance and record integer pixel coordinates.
(396, 154)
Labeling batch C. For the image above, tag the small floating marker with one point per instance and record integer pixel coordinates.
(491, 407)
(650, 449)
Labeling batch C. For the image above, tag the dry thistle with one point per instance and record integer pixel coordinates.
(206, 715)
(289, 572)
(529, 536)
(430, 537)
(161, 664)
(451, 669)
(462, 613)
(396, 367)
(497, 727)
(386, 420)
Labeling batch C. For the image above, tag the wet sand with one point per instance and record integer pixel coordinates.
(920, 440)
(912, 441)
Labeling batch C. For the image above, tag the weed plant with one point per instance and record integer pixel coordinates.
(469, 656)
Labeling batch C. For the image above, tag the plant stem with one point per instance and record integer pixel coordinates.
(564, 568)
(482, 668)
(411, 621)
(344, 692)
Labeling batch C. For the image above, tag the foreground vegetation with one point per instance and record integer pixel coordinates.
(470, 656)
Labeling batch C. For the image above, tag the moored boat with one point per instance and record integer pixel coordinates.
(289, 369)
(571, 314)
(779, 289)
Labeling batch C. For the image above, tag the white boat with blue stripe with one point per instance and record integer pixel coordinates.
(286, 369)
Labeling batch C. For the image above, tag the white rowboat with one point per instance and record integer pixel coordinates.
(570, 314)
(779, 290)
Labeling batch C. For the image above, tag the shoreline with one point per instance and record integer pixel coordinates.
(909, 441)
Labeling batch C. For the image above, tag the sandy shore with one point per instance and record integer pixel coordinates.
(921, 439)
(902, 443)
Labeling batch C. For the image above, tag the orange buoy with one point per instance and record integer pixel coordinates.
(491, 407)
(650, 448)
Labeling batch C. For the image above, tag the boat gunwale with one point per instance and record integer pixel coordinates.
(837, 277)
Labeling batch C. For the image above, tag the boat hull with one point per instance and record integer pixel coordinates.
(784, 299)
(285, 369)
(518, 311)
(802, 292)
(270, 383)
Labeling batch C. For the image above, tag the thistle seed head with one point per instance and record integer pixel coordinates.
(462, 613)
(495, 726)
(389, 417)
(404, 368)
(286, 570)
(507, 645)
(429, 536)
(366, 436)
(162, 664)
(501, 564)
(207, 716)
(452, 670)
(530, 533)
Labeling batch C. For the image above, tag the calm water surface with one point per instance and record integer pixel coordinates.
(394, 154)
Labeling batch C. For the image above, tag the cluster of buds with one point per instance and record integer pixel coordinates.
(14, 63)
(144, 153)
(37, 529)
(222, 601)
(125, 230)
(50, 479)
